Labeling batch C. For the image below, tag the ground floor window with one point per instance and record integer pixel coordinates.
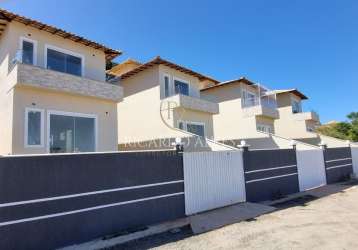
(71, 132)
(197, 128)
(266, 128)
(34, 127)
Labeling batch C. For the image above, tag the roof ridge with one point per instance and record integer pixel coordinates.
(111, 53)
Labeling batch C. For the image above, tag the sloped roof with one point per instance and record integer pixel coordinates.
(122, 68)
(157, 61)
(9, 16)
(293, 91)
(226, 83)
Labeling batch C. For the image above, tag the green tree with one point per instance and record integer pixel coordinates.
(353, 133)
(342, 130)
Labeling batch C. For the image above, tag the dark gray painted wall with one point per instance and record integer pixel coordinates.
(263, 164)
(37, 177)
(338, 162)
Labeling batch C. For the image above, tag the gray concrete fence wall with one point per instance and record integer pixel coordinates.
(338, 162)
(270, 174)
(53, 201)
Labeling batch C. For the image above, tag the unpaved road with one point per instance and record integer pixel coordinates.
(327, 223)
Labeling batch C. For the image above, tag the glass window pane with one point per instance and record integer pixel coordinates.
(166, 86)
(71, 134)
(27, 52)
(34, 128)
(195, 129)
(84, 134)
(181, 125)
(181, 87)
(64, 63)
(61, 134)
(56, 60)
(73, 64)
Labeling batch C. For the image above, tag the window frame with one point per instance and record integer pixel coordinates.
(68, 52)
(169, 88)
(293, 100)
(42, 127)
(34, 52)
(245, 93)
(185, 125)
(72, 114)
(266, 127)
(183, 81)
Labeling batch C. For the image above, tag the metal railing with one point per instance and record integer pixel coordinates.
(263, 101)
(19, 58)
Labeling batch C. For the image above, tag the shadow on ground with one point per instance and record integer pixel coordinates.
(186, 232)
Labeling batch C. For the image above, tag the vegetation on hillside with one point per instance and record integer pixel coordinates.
(347, 130)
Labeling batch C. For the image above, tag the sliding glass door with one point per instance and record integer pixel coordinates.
(71, 133)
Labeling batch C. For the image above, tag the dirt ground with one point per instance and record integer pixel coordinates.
(330, 222)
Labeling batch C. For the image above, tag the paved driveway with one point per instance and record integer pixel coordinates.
(330, 222)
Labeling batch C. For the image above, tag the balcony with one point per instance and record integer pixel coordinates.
(260, 107)
(193, 103)
(37, 77)
(306, 116)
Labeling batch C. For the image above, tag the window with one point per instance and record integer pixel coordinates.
(296, 106)
(181, 87)
(34, 127)
(166, 86)
(64, 62)
(192, 127)
(265, 128)
(249, 99)
(69, 132)
(181, 125)
(196, 128)
(28, 51)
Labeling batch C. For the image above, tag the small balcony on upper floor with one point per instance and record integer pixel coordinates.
(264, 106)
(306, 116)
(193, 103)
(28, 75)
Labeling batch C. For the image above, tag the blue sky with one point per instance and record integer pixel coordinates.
(309, 45)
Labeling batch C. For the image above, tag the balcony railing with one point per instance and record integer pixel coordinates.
(34, 76)
(263, 101)
(193, 103)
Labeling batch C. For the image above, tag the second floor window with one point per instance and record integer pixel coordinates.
(249, 99)
(296, 106)
(166, 86)
(181, 87)
(63, 62)
(27, 52)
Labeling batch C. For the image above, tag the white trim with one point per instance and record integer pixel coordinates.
(65, 51)
(183, 81)
(185, 123)
(6, 223)
(42, 122)
(268, 169)
(72, 114)
(343, 159)
(339, 166)
(267, 128)
(269, 178)
(169, 86)
(34, 42)
(10, 204)
(299, 101)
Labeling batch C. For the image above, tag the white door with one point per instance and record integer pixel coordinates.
(311, 169)
(213, 180)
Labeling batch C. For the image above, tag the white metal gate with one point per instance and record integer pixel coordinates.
(213, 180)
(355, 159)
(311, 168)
